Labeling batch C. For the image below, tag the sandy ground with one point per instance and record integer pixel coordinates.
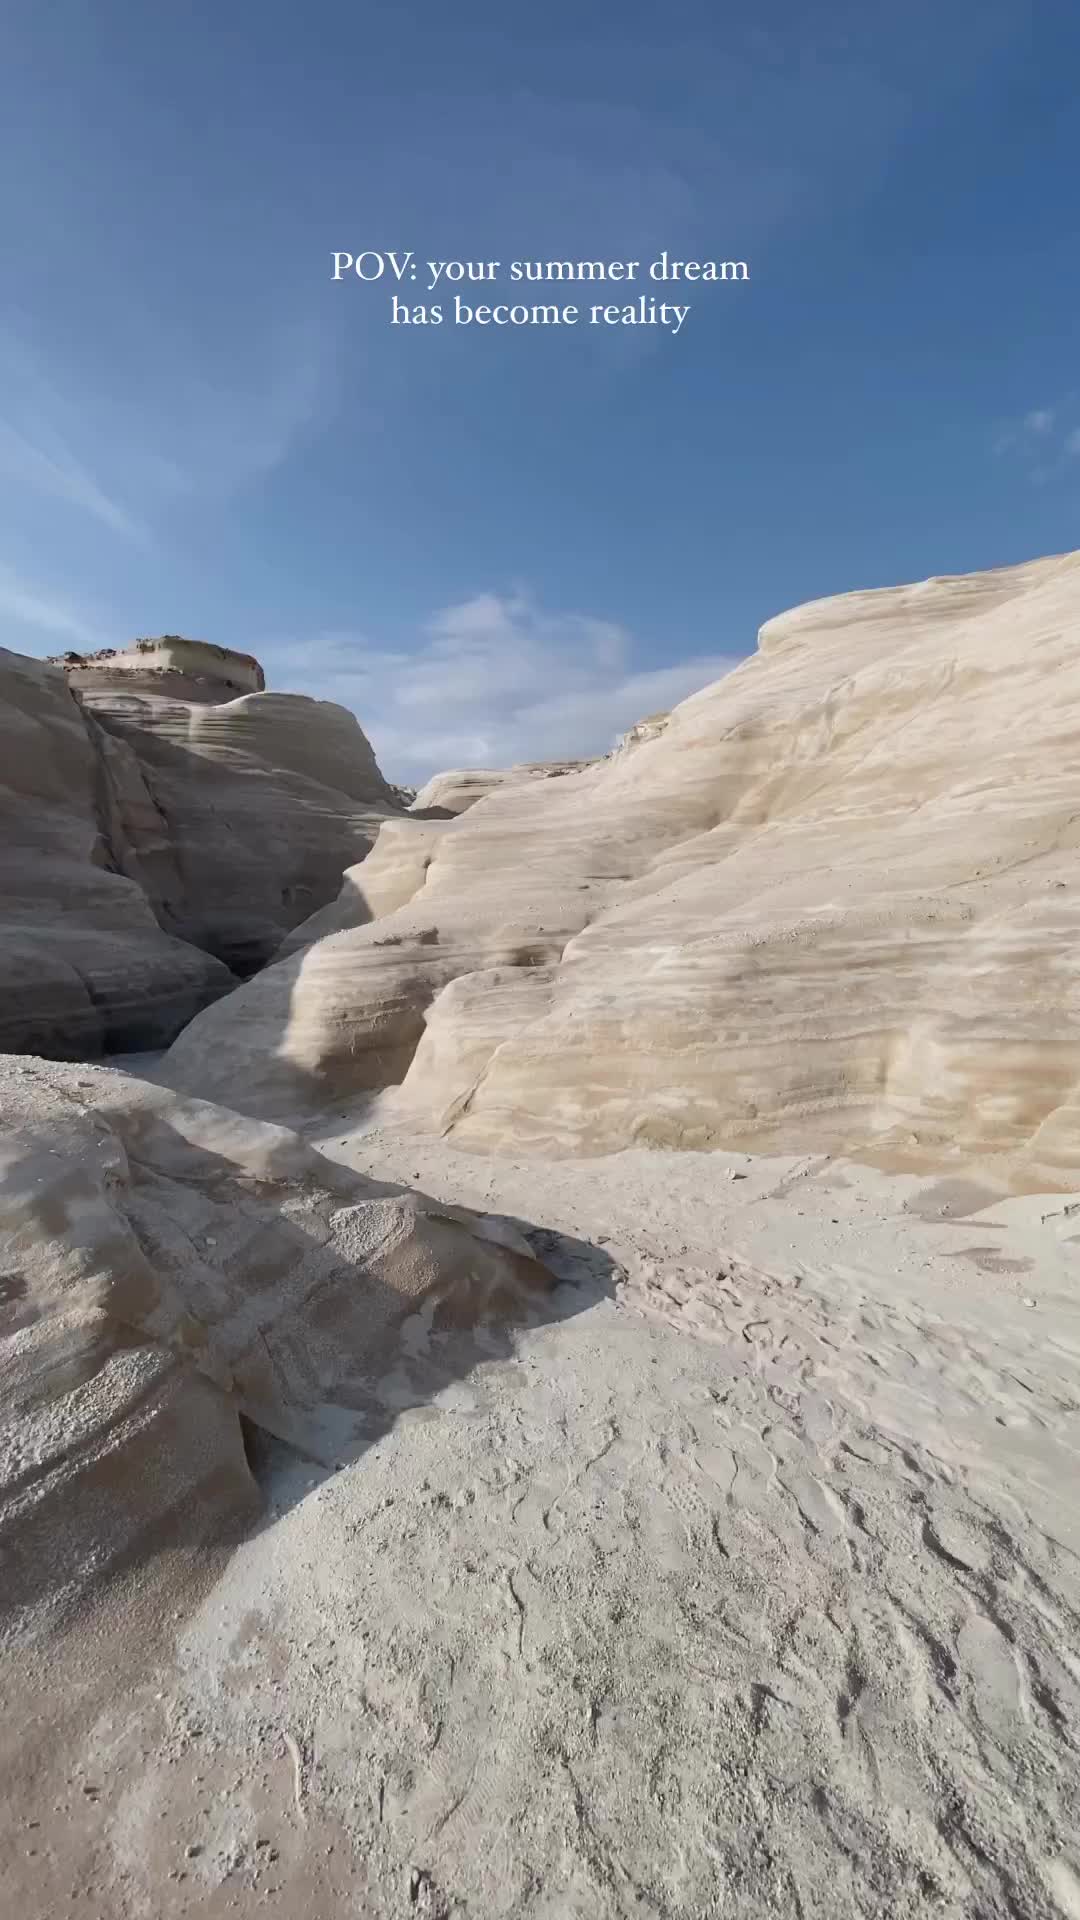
(748, 1584)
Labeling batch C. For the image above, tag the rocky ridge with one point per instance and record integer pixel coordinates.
(165, 822)
(460, 788)
(829, 903)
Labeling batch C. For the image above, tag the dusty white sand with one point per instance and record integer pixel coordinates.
(746, 1584)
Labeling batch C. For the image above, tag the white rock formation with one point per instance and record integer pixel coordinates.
(460, 788)
(832, 904)
(735, 1574)
(183, 669)
(84, 965)
(166, 1266)
(390, 877)
(743, 1580)
(648, 729)
(261, 799)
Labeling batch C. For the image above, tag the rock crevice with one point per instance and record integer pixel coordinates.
(166, 823)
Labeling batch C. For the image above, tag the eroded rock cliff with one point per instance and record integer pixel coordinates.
(265, 798)
(832, 903)
(164, 821)
(85, 966)
(459, 789)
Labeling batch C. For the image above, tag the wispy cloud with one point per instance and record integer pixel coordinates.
(38, 610)
(1044, 442)
(46, 465)
(37, 454)
(238, 424)
(494, 680)
(200, 429)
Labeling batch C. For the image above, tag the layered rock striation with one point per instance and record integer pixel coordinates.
(164, 821)
(85, 965)
(168, 1267)
(460, 788)
(263, 799)
(830, 903)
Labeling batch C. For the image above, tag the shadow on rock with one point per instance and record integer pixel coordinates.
(447, 1345)
(173, 1269)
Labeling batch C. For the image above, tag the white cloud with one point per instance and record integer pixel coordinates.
(1042, 442)
(492, 681)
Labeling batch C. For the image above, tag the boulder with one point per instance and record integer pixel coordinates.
(168, 1266)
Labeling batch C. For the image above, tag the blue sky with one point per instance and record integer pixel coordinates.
(511, 544)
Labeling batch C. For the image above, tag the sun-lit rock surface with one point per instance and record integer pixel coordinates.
(170, 665)
(677, 1531)
(833, 903)
(460, 788)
